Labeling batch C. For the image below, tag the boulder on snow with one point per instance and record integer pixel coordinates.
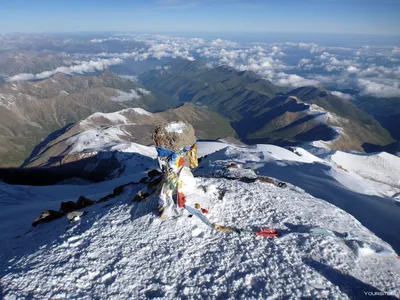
(266, 179)
(68, 206)
(118, 190)
(174, 135)
(75, 214)
(233, 165)
(47, 216)
(84, 202)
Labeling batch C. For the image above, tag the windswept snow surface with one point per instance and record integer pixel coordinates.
(324, 252)
(383, 168)
(324, 180)
(206, 148)
(96, 139)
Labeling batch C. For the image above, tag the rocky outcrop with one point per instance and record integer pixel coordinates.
(47, 216)
(174, 136)
(69, 206)
(75, 215)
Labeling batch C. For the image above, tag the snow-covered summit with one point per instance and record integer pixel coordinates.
(111, 253)
(119, 117)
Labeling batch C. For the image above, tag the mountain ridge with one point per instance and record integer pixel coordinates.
(128, 125)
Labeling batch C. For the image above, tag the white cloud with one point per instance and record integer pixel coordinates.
(312, 47)
(130, 77)
(289, 64)
(223, 43)
(342, 95)
(123, 96)
(276, 49)
(376, 89)
(143, 91)
(294, 80)
(396, 51)
(131, 95)
(304, 61)
(352, 69)
(23, 76)
(83, 67)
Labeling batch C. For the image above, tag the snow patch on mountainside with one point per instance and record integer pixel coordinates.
(118, 117)
(100, 139)
(140, 111)
(115, 117)
(327, 117)
(332, 120)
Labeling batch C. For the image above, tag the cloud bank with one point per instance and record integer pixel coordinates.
(367, 70)
(82, 67)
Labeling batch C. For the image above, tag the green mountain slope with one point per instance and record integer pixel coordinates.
(262, 112)
(385, 110)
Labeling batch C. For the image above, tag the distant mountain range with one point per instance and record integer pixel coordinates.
(219, 102)
(261, 112)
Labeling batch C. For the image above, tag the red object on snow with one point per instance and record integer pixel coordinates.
(204, 211)
(181, 162)
(267, 232)
(181, 200)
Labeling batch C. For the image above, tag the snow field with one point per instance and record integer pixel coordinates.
(106, 255)
(324, 252)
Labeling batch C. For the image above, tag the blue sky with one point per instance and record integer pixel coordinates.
(194, 16)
